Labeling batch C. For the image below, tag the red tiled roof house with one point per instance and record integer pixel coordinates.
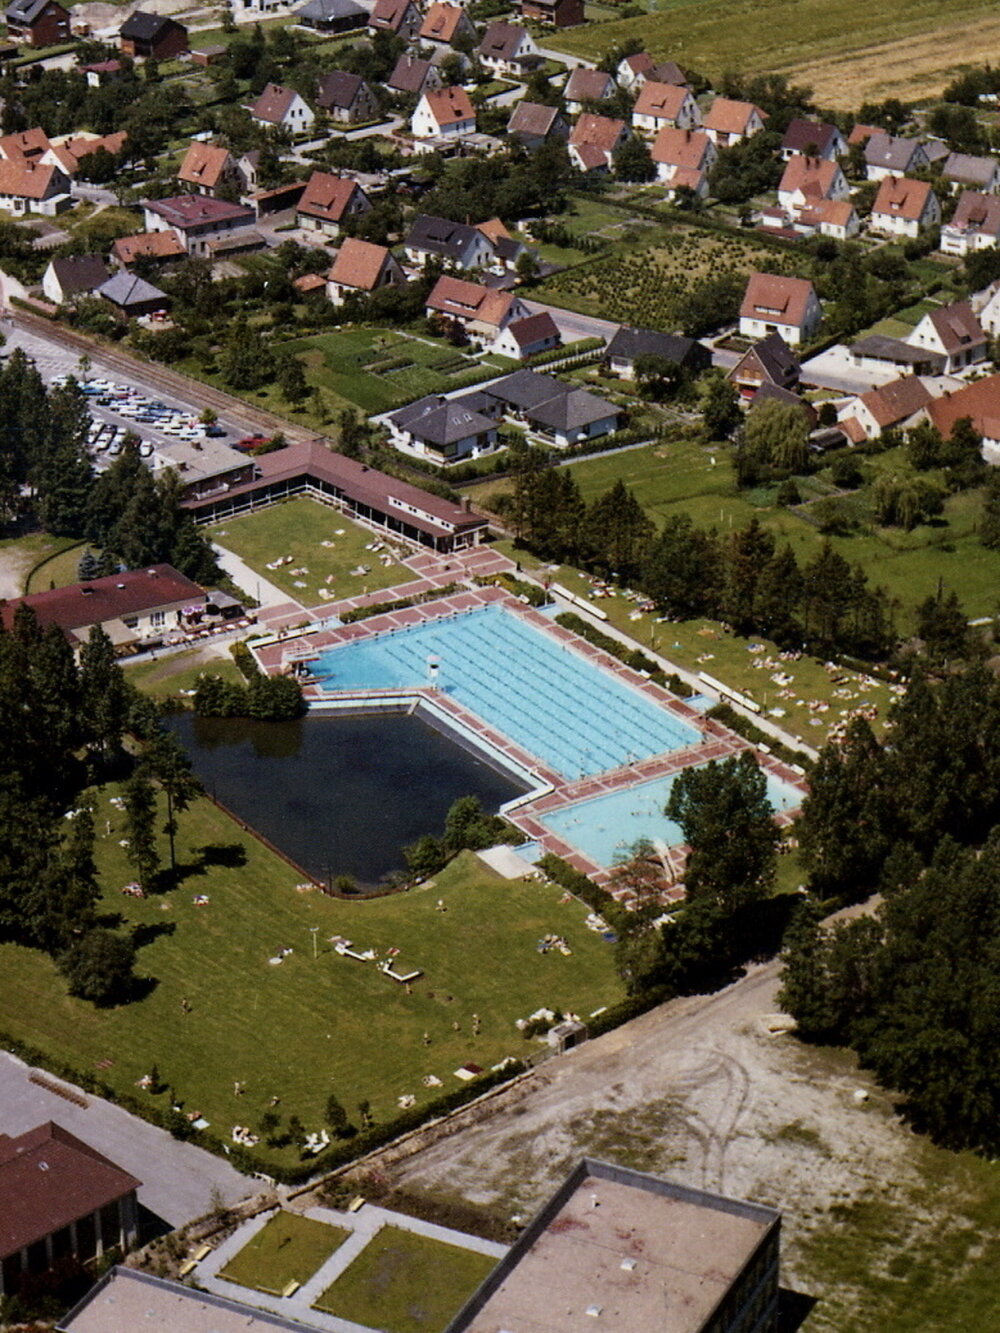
(773, 304)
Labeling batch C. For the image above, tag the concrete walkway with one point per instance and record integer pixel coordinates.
(267, 593)
(364, 1226)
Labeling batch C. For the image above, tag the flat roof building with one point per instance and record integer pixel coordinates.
(633, 1253)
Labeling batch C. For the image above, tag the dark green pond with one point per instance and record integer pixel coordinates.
(339, 795)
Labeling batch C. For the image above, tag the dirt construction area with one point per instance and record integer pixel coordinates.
(704, 1092)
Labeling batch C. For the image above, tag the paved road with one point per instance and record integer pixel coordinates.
(178, 1178)
(574, 326)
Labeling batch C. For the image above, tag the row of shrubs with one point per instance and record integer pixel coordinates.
(400, 604)
(729, 717)
(632, 657)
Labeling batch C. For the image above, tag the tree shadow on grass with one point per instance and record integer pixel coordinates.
(230, 855)
(149, 931)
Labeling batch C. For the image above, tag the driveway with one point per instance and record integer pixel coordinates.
(835, 369)
(574, 326)
(180, 1181)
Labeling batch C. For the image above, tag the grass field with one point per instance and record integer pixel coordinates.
(840, 48)
(387, 1286)
(172, 673)
(298, 528)
(645, 283)
(311, 1025)
(289, 1248)
(61, 568)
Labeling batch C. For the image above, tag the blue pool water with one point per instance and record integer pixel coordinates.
(604, 827)
(545, 697)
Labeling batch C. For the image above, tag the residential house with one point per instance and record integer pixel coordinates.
(630, 343)
(813, 138)
(684, 158)
(327, 200)
(67, 152)
(362, 267)
(975, 173)
(25, 146)
(730, 122)
(332, 16)
(155, 36)
(975, 224)
(775, 304)
(37, 23)
(593, 140)
(29, 188)
(665, 104)
(533, 124)
(455, 244)
(769, 361)
(587, 85)
(571, 417)
(809, 180)
(197, 219)
(139, 604)
(633, 71)
(400, 17)
(73, 276)
(980, 402)
(507, 48)
(527, 337)
(483, 312)
(283, 108)
(442, 430)
(829, 217)
(413, 76)
(889, 155)
(132, 296)
(445, 24)
(507, 250)
(900, 403)
(209, 169)
(556, 13)
(444, 113)
(159, 247)
(902, 207)
(207, 56)
(60, 1199)
(346, 98)
(953, 332)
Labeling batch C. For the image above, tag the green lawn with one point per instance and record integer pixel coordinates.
(61, 568)
(172, 673)
(29, 563)
(289, 1248)
(311, 1025)
(387, 1286)
(298, 528)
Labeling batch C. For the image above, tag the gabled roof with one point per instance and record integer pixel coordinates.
(79, 605)
(440, 236)
(145, 27)
(525, 389)
(26, 145)
(389, 15)
(197, 210)
(204, 164)
(442, 22)
(125, 289)
(449, 106)
(969, 170)
(600, 132)
(681, 148)
(629, 343)
(802, 134)
(668, 71)
(533, 329)
(813, 176)
(156, 244)
(900, 197)
(782, 300)
(49, 1177)
(774, 356)
(273, 103)
(664, 100)
(25, 180)
(442, 421)
(24, 12)
(325, 10)
(327, 196)
(896, 401)
(977, 212)
(359, 264)
(409, 74)
(572, 409)
(339, 90)
(589, 85)
(726, 116)
(956, 326)
(79, 273)
(470, 300)
(980, 401)
(892, 153)
(533, 119)
(862, 133)
(834, 212)
(501, 40)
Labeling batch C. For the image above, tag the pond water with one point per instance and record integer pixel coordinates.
(339, 795)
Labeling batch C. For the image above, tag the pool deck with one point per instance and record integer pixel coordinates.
(716, 742)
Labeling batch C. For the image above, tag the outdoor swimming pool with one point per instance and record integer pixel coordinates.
(544, 696)
(604, 827)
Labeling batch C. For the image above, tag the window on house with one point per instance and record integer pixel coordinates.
(158, 619)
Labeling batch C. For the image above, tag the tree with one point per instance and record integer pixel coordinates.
(98, 967)
(944, 627)
(618, 532)
(247, 360)
(103, 695)
(657, 377)
(989, 524)
(777, 435)
(291, 379)
(632, 160)
(337, 1118)
(169, 765)
(728, 822)
(140, 827)
(719, 406)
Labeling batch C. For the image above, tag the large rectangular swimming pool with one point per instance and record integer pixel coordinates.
(549, 699)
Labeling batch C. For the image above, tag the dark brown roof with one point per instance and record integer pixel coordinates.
(109, 598)
(49, 1178)
(409, 74)
(339, 89)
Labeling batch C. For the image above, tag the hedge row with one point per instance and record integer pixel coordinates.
(729, 717)
(401, 604)
(584, 888)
